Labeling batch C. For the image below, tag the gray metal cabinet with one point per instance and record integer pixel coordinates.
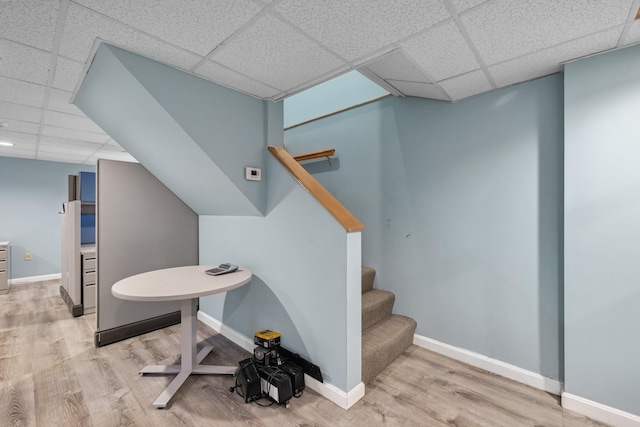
(4, 267)
(89, 265)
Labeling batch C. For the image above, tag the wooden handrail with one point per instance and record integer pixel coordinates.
(315, 155)
(309, 183)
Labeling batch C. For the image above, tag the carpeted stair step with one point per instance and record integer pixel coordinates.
(383, 342)
(376, 305)
(368, 274)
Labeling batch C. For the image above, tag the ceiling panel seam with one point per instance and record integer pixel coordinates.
(472, 46)
(630, 20)
(515, 58)
(57, 38)
(230, 38)
(309, 37)
(135, 29)
(241, 74)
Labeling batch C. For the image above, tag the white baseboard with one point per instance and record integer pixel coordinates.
(599, 412)
(334, 394)
(33, 279)
(492, 365)
(230, 333)
(341, 398)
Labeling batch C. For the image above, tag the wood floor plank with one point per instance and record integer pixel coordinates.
(119, 408)
(51, 374)
(17, 406)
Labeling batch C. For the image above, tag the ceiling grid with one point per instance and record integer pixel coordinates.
(446, 50)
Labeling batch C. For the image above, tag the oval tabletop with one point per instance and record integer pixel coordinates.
(178, 283)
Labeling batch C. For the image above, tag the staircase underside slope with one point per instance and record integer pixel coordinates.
(196, 137)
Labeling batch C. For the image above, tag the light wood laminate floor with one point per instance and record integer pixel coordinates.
(52, 375)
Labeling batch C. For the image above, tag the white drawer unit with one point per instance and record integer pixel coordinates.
(89, 281)
(4, 267)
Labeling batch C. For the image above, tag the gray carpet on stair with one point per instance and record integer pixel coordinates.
(368, 274)
(384, 342)
(376, 305)
(385, 336)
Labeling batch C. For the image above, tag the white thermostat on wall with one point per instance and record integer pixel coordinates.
(253, 174)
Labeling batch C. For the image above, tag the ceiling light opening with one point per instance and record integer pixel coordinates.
(6, 144)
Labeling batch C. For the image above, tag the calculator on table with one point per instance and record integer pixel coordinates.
(221, 269)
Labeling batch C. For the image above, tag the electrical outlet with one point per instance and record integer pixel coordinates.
(27, 256)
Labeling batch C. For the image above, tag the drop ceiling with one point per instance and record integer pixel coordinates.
(439, 49)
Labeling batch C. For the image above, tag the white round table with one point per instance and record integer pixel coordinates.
(186, 284)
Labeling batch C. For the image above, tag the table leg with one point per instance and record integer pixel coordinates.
(172, 388)
(190, 360)
(174, 369)
(188, 333)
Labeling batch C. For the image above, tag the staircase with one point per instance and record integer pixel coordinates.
(385, 336)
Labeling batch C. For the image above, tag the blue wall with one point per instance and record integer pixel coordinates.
(354, 177)
(87, 220)
(306, 282)
(462, 206)
(602, 229)
(336, 94)
(31, 195)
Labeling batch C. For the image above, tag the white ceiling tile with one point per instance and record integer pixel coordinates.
(20, 112)
(20, 92)
(466, 85)
(84, 150)
(67, 74)
(63, 133)
(20, 126)
(124, 157)
(422, 90)
(226, 77)
(108, 148)
(59, 101)
(23, 62)
(29, 22)
(84, 26)
(24, 153)
(634, 33)
(61, 157)
(197, 25)
(18, 138)
(396, 66)
(506, 29)
(70, 143)
(462, 5)
(112, 143)
(443, 52)
(358, 27)
(549, 61)
(55, 118)
(277, 55)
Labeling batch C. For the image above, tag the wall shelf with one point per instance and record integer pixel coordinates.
(316, 155)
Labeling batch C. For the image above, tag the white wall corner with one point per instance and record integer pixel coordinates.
(34, 279)
(599, 412)
(492, 365)
(341, 398)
